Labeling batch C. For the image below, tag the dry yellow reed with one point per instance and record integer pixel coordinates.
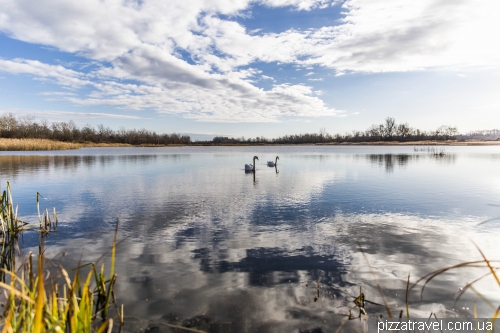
(45, 144)
(35, 144)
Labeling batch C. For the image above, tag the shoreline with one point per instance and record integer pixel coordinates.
(417, 143)
(375, 143)
(45, 144)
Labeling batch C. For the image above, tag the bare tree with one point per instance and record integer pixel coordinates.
(8, 124)
(375, 132)
(322, 134)
(389, 127)
(87, 133)
(450, 132)
(45, 132)
(403, 131)
(26, 126)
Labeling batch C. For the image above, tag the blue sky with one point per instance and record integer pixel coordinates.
(252, 68)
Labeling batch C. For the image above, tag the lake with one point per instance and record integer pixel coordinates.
(207, 245)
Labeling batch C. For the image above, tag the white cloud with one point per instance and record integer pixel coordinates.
(394, 35)
(265, 77)
(376, 36)
(138, 48)
(298, 4)
(63, 76)
(58, 115)
(171, 86)
(57, 93)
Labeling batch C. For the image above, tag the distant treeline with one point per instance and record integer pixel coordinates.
(387, 131)
(480, 135)
(26, 127)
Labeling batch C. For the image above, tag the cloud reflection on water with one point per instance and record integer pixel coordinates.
(271, 283)
(202, 239)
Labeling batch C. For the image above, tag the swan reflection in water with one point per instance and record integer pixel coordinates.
(253, 175)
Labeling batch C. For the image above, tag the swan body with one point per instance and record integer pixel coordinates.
(251, 167)
(271, 163)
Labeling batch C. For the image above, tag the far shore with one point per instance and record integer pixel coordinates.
(376, 143)
(44, 144)
(419, 143)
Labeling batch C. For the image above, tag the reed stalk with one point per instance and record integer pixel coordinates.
(65, 302)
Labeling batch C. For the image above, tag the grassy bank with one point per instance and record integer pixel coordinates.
(44, 144)
(35, 144)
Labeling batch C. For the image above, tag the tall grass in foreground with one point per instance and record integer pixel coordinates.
(484, 263)
(36, 303)
(43, 297)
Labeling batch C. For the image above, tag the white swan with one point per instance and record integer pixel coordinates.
(251, 167)
(271, 163)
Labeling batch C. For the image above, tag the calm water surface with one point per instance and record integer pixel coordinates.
(208, 245)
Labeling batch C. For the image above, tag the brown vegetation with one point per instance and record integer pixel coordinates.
(389, 132)
(45, 144)
(36, 144)
(27, 128)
